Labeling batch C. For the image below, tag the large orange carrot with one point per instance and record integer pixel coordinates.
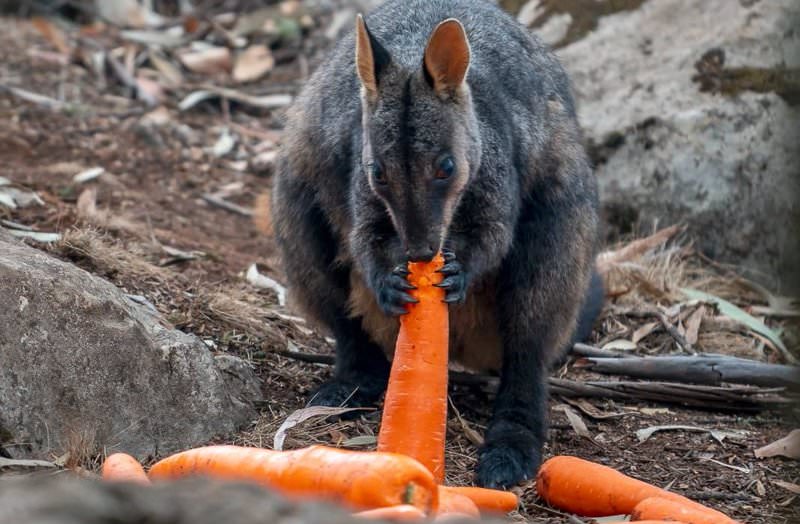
(415, 409)
(453, 504)
(121, 467)
(487, 500)
(360, 480)
(593, 490)
(664, 509)
(402, 513)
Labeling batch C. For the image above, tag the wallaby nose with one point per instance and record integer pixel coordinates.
(423, 253)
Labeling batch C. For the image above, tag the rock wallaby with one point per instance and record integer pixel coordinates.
(443, 124)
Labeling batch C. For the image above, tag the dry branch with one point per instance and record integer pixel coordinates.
(710, 370)
(735, 398)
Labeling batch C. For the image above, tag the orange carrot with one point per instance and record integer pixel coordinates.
(660, 508)
(415, 409)
(360, 480)
(646, 522)
(402, 513)
(452, 504)
(121, 467)
(487, 500)
(594, 490)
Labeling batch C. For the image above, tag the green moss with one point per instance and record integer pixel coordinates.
(713, 77)
(585, 14)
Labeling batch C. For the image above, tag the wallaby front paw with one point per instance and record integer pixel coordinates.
(455, 279)
(393, 292)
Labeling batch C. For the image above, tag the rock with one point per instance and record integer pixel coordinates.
(691, 109)
(188, 501)
(83, 365)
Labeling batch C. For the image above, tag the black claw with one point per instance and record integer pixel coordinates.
(448, 282)
(454, 299)
(451, 268)
(401, 271)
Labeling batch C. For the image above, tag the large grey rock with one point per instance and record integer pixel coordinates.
(82, 364)
(726, 161)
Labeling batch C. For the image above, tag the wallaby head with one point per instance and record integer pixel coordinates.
(421, 143)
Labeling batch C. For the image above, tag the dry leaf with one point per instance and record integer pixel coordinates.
(575, 421)
(635, 249)
(261, 102)
(644, 331)
(794, 488)
(52, 34)
(263, 281)
(472, 435)
(693, 325)
(24, 464)
(210, 61)
(620, 344)
(36, 235)
(788, 446)
(171, 74)
(301, 415)
(718, 435)
(262, 215)
(591, 410)
(655, 411)
(253, 63)
(128, 13)
(361, 440)
(87, 175)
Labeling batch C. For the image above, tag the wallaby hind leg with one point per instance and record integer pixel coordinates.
(321, 288)
(541, 286)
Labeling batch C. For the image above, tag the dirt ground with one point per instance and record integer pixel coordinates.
(160, 163)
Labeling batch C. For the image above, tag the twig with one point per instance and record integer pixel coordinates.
(585, 350)
(34, 98)
(126, 78)
(228, 206)
(680, 339)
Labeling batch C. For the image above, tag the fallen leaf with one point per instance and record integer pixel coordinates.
(36, 235)
(24, 464)
(472, 435)
(741, 469)
(575, 420)
(128, 13)
(89, 174)
(149, 90)
(644, 331)
(224, 144)
(261, 102)
(263, 281)
(253, 63)
(788, 446)
(794, 488)
(693, 325)
(760, 489)
(361, 440)
(736, 313)
(52, 34)
(612, 518)
(303, 414)
(262, 216)
(167, 39)
(210, 61)
(13, 198)
(591, 410)
(634, 249)
(718, 435)
(620, 345)
(171, 74)
(655, 411)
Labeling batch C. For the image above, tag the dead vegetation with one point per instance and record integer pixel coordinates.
(117, 166)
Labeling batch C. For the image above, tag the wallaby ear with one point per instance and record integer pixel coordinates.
(371, 57)
(447, 56)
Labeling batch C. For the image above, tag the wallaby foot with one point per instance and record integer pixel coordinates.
(349, 394)
(510, 455)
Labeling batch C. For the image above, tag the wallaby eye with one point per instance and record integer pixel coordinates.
(377, 173)
(446, 167)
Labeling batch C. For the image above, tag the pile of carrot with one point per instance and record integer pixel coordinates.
(400, 481)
